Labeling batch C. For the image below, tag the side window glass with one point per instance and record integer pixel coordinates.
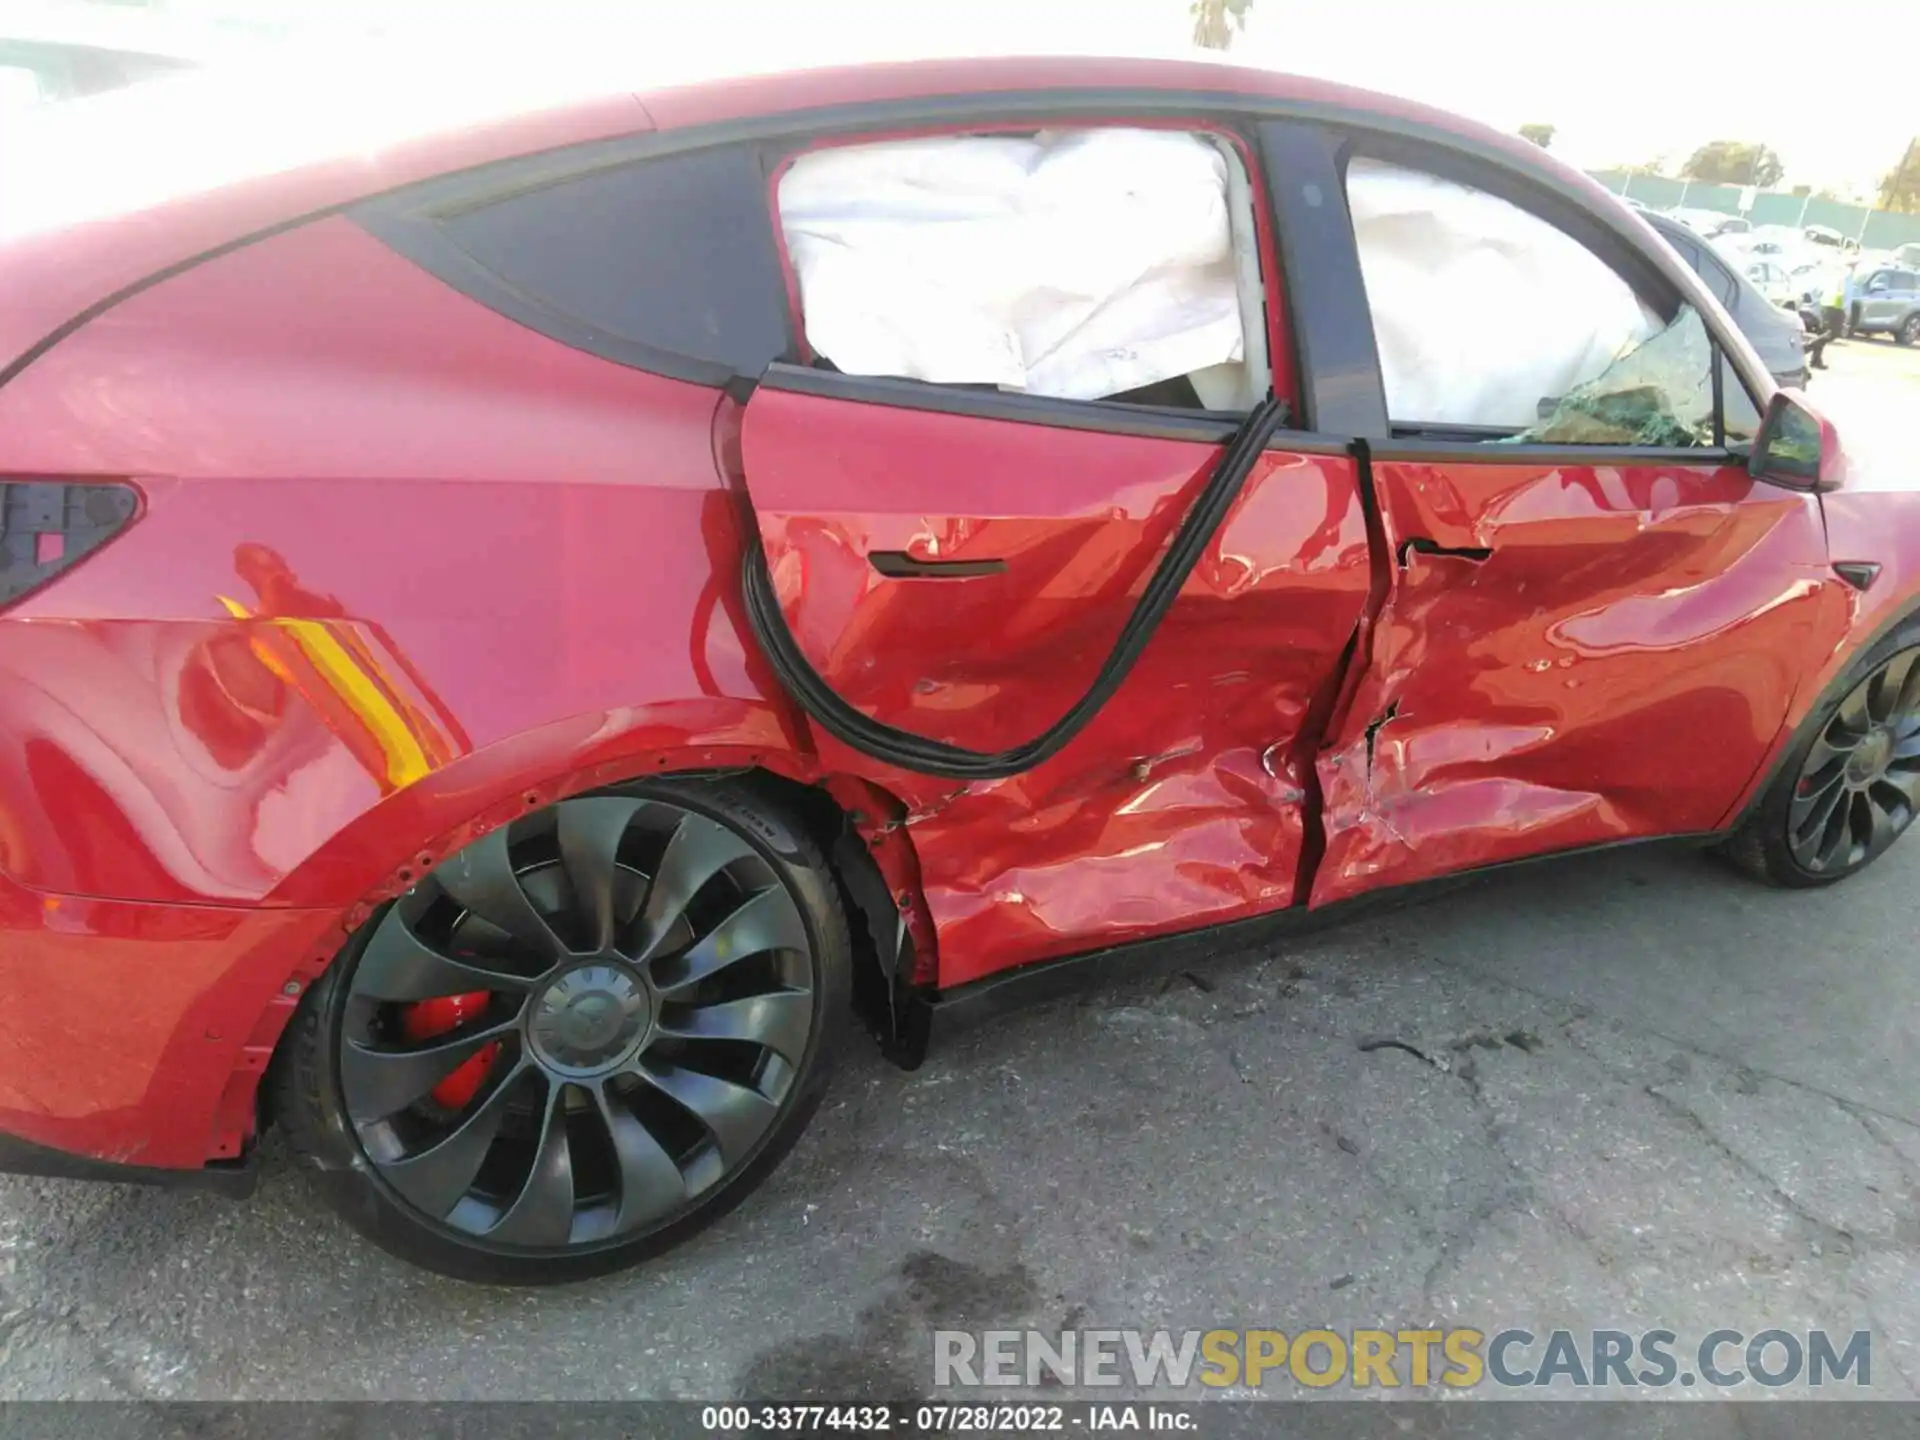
(1658, 392)
(1494, 324)
(1079, 264)
(672, 253)
(1485, 315)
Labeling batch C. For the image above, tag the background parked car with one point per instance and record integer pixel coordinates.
(1771, 280)
(1830, 238)
(1778, 335)
(1888, 303)
(1710, 224)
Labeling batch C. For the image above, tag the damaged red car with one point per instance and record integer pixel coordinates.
(522, 629)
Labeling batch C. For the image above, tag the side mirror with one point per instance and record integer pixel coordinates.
(1797, 446)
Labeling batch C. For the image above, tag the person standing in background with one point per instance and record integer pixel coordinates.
(1833, 315)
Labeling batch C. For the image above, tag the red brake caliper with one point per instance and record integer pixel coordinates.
(439, 1016)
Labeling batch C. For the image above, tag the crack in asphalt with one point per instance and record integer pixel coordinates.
(1636, 1026)
(1686, 1116)
(1454, 1246)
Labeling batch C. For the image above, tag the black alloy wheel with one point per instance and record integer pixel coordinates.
(573, 1039)
(1860, 781)
(1851, 787)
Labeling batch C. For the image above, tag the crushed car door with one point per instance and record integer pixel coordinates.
(1035, 358)
(960, 570)
(1594, 620)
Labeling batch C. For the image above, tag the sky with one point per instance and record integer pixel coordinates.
(1625, 81)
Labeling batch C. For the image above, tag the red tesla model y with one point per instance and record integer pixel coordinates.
(522, 628)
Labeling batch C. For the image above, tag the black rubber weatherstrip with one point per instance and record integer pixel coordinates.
(925, 756)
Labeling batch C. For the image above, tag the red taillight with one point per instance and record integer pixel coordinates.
(47, 526)
(440, 1016)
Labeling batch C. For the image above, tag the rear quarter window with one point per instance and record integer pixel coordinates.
(667, 263)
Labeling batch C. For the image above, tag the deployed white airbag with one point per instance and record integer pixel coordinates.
(1480, 309)
(1076, 264)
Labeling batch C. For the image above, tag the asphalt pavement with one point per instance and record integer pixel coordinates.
(1626, 1092)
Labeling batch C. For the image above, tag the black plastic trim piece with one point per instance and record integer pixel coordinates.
(899, 565)
(1499, 453)
(1858, 573)
(236, 1180)
(1326, 296)
(83, 517)
(943, 1013)
(1413, 433)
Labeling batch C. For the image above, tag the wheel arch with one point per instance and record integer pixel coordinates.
(382, 851)
(1834, 678)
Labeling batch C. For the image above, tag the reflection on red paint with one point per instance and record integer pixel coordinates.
(360, 685)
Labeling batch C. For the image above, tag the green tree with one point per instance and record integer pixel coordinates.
(1900, 187)
(1734, 162)
(1541, 135)
(1215, 22)
(1801, 192)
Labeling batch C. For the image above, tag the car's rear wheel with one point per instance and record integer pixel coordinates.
(1909, 332)
(577, 1040)
(1851, 786)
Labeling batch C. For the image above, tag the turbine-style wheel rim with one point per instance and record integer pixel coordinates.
(631, 992)
(1860, 783)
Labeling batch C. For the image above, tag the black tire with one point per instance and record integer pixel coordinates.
(721, 1110)
(1850, 786)
(1909, 331)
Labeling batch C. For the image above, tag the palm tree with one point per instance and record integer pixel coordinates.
(1216, 21)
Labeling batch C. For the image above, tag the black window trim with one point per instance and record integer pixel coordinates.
(409, 221)
(1481, 453)
(1107, 417)
(1333, 398)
